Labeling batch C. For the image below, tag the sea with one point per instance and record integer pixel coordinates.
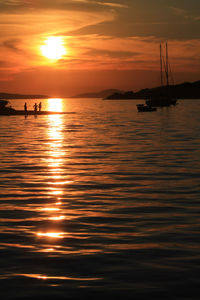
(102, 202)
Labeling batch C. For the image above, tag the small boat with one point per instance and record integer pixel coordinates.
(144, 107)
(165, 97)
(5, 109)
(161, 101)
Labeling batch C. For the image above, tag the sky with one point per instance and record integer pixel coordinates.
(104, 44)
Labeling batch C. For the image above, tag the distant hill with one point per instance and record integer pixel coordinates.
(186, 90)
(101, 94)
(18, 96)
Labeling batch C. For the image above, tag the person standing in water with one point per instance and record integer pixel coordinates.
(40, 106)
(25, 108)
(35, 106)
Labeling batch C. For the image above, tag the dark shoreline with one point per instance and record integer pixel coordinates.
(9, 96)
(187, 90)
(31, 113)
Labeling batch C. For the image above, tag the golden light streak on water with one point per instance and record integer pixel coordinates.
(59, 218)
(56, 176)
(60, 182)
(58, 203)
(47, 250)
(44, 277)
(132, 210)
(55, 159)
(56, 153)
(56, 192)
(55, 104)
(54, 164)
(50, 209)
(57, 235)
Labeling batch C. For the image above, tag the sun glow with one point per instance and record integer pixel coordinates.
(53, 48)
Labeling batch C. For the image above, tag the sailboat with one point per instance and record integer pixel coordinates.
(164, 97)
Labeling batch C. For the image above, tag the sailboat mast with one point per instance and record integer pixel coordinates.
(161, 66)
(167, 65)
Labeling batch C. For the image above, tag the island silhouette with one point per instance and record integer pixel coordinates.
(186, 90)
(101, 94)
(21, 96)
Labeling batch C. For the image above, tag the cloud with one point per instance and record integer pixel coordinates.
(99, 35)
(117, 5)
(3, 63)
(178, 11)
(81, 5)
(185, 14)
(102, 3)
(24, 25)
(160, 20)
(111, 53)
(14, 6)
(110, 4)
(13, 44)
(13, 2)
(51, 17)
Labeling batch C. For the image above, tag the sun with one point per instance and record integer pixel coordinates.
(53, 48)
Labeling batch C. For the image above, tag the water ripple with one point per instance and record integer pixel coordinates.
(104, 201)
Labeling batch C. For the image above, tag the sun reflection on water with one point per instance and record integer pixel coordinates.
(49, 209)
(45, 277)
(55, 104)
(58, 235)
(56, 192)
(55, 159)
(56, 153)
(59, 218)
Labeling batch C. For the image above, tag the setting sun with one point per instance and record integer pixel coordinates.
(53, 48)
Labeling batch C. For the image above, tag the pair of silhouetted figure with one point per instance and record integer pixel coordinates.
(37, 107)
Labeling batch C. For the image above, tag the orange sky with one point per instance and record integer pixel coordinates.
(108, 44)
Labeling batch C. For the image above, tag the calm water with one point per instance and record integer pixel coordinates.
(103, 202)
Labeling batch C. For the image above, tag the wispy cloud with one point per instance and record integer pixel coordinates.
(107, 53)
(15, 2)
(184, 13)
(126, 54)
(110, 4)
(13, 45)
(98, 34)
(117, 5)
(178, 11)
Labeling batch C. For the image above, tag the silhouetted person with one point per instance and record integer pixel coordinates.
(25, 108)
(40, 106)
(35, 106)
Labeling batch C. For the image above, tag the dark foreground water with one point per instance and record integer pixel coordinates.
(103, 203)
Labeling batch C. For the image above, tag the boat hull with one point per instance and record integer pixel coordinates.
(145, 108)
(161, 102)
